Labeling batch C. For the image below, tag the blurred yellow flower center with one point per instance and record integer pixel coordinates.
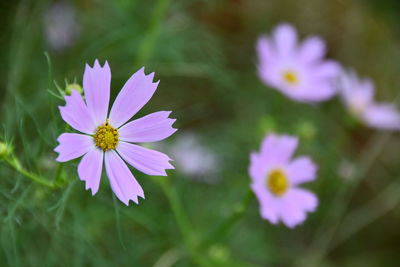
(106, 137)
(290, 77)
(277, 182)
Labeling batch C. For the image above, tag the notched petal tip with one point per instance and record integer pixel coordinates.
(140, 71)
(126, 202)
(87, 188)
(97, 64)
(174, 130)
(134, 200)
(150, 76)
(172, 167)
(141, 194)
(58, 158)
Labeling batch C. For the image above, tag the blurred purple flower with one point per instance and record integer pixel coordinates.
(61, 27)
(296, 70)
(358, 95)
(111, 137)
(275, 179)
(194, 159)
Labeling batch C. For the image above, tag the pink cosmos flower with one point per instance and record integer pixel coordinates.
(275, 180)
(108, 136)
(358, 95)
(296, 70)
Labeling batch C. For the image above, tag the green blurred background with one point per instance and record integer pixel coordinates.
(203, 53)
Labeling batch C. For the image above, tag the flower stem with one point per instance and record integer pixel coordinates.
(181, 218)
(15, 163)
(229, 222)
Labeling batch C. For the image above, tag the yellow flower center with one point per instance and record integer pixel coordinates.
(290, 77)
(277, 182)
(106, 137)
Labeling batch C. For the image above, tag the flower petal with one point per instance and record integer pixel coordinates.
(122, 181)
(268, 206)
(304, 199)
(96, 84)
(76, 113)
(312, 49)
(315, 90)
(383, 116)
(258, 168)
(89, 169)
(73, 146)
(265, 50)
(148, 161)
(329, 69)
(301, 170)
(153, 127)
(295, 205)
(285, 37)
(268, 58)
(278, 149)
(136, 92)
(289, 213)
(353, 89)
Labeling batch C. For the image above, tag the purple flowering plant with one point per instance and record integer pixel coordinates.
(296, 69)
(275, 180)
(107, 136)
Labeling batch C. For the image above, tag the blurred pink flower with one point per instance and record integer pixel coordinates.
(61, 26)
(275, 180)
(297, 70)
(195, 160)
(358, 95)
(109, 136)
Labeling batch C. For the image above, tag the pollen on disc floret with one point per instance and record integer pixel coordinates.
(106, 137)
(291, 77)
(277, 182)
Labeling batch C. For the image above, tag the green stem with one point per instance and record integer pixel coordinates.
(59, 174)
(180, 217)
(223, 229)
(14, 162)
(177, 209)
(149, 40)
